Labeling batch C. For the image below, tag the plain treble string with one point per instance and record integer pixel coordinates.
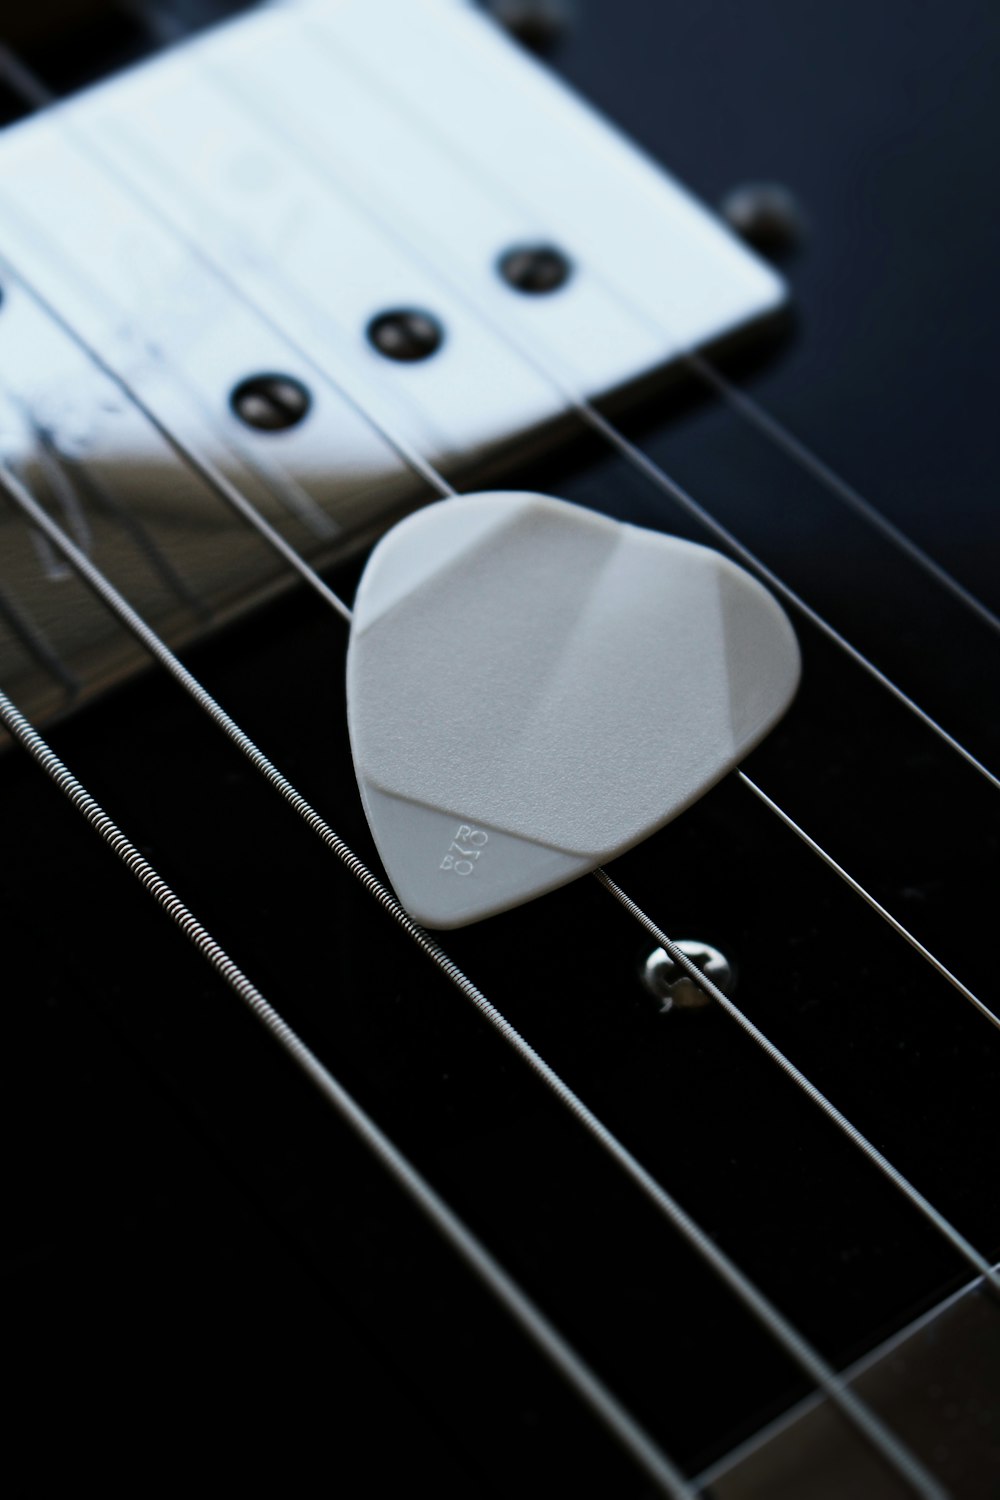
(430, 474)
(588, 413)
(210, 474)
(667, 1478)
(866, 896)
(932, 1215)
(773, 430)
(810, 462)
(640, 462)
(37, 94)
(936, 1491)
(749, 410)
(245, 513)
(232, 496)
(774, 1322)
(643, 464)
(227, 491)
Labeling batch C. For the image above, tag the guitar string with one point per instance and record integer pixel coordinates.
(206, 470)
(40, 97)
(233, 497)
(771, 429)
(807, 459)
(866, 896)
(835, 867)
(248, 511)
(38, 94)
(116, 602)
(774, 1322)
(704, 983)
(666, 1476)
(696, 972)
(434, 478)
(877, 1359)
(635, 457)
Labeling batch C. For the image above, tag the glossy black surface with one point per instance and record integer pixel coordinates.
(199, 1254)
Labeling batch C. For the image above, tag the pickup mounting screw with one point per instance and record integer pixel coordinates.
(673, 987)
(271, 403)
(534, 269)
(766, 215)
(406, 334)
(538, 24)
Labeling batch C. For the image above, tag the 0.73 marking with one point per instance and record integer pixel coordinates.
(465, 849)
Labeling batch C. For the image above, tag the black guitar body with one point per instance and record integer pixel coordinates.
(209, 1280)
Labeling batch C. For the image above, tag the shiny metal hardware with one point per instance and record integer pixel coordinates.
(250, 201)
(673, 988)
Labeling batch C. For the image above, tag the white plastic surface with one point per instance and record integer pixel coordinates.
(533, 688)
(246, 202)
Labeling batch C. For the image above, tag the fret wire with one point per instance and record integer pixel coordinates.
(667, 1477)
(740, 401)
(634, 456)
(932, 1215)
(777, 1326)
(895, 1343)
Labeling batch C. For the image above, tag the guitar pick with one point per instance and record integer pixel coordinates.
(533, 688)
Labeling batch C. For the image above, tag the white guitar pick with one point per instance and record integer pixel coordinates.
(533, 688)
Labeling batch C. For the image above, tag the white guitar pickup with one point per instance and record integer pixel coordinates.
(251, 203)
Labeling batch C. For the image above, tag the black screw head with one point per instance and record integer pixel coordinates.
(271, 403)
(406, 334)
(534, 269)
(766, 215)
(538, 24)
